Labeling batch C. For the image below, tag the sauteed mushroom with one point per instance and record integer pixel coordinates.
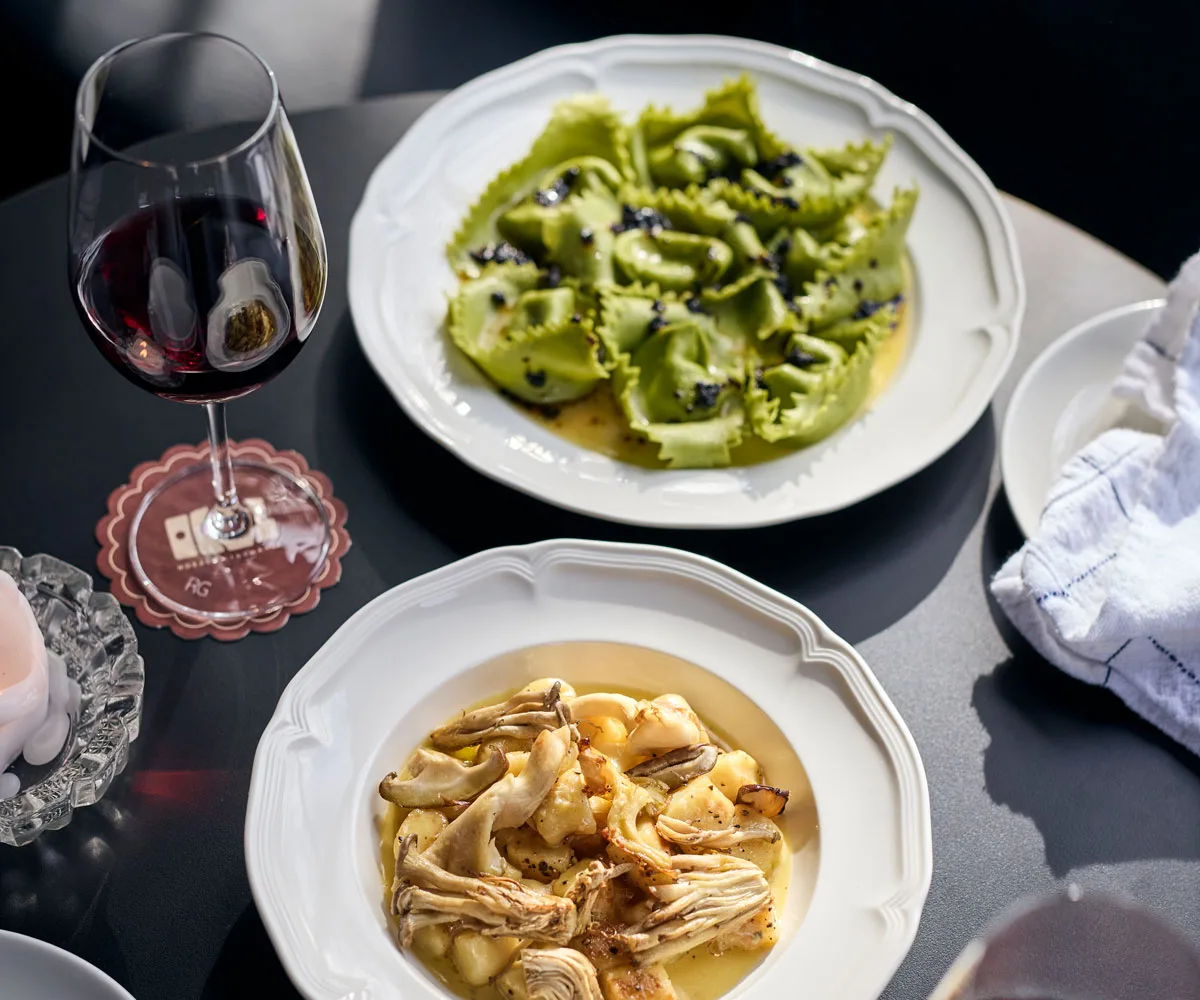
(435, 779)
(677, 767)
(524, 715)
(550, 861)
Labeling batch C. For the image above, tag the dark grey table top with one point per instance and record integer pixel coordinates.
(1034, 778)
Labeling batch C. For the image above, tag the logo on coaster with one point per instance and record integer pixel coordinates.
(192, 545)
(183, 539)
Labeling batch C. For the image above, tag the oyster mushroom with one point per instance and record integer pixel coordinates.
(691, 837)
(677, 767)
(425, 894)
(632, 842)
(712, 893)
(767, 799)
(559, 974)
(466, 846)
(665, 723)
(524, 715)
(586, 886)
(436, 779)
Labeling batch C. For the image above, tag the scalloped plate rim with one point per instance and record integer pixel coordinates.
(98, 984)
(1015, 455)
(899, 913)
(571, 492)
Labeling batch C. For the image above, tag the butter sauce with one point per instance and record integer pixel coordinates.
(695, 975)
(597, 423)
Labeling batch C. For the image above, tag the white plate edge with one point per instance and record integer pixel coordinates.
(69, 958)
(901, 912)
(1008, 444)
(1006, 274)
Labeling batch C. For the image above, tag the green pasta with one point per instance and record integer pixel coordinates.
(724, 283)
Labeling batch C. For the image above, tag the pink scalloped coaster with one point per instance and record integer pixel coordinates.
(112, 532)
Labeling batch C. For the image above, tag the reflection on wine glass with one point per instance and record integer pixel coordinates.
(198, 266)
(1075, 946)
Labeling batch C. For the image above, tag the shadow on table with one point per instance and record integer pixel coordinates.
(1101, 784)
(247, 966)
(860, 569)
(52, 889)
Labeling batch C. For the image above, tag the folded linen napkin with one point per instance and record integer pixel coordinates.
(1109, 587)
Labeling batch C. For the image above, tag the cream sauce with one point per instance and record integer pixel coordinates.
(701, 975)
(597, 423)
(696, 975)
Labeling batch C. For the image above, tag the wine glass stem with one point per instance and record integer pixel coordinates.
(227, 519)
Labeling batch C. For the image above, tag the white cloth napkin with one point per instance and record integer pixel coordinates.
(1109, 587)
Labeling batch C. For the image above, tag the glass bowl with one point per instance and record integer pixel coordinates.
(91, 633)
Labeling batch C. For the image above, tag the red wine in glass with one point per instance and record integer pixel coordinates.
(198, 267)
(191, 299)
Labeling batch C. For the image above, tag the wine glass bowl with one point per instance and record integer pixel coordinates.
(198, 277)
(198, 268)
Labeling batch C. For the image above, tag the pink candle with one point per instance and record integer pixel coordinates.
(24, 678)
(24, 665)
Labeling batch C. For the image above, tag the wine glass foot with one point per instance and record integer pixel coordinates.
(181, 565)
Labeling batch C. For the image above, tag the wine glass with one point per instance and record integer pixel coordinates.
(1074, 945)
(198, 267)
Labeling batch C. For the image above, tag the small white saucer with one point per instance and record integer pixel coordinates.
(34, 970)
(1062, 402)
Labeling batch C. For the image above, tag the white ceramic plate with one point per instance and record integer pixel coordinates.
(969, 302)
(747, 658)
(1064, 401)
(34, 970)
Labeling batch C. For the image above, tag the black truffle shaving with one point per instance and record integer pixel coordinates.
(707, 393)
(694, 305)
(771, 169)
(868, 307)
(500, 253)
(732, 171)
(558, 191)
(801, 359)
(646, 219)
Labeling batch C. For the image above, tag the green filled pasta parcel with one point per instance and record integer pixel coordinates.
(720, 283)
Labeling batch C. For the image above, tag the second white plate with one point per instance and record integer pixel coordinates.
(31, 969)
(780, 683)
(970, 295)
(1064, 401)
